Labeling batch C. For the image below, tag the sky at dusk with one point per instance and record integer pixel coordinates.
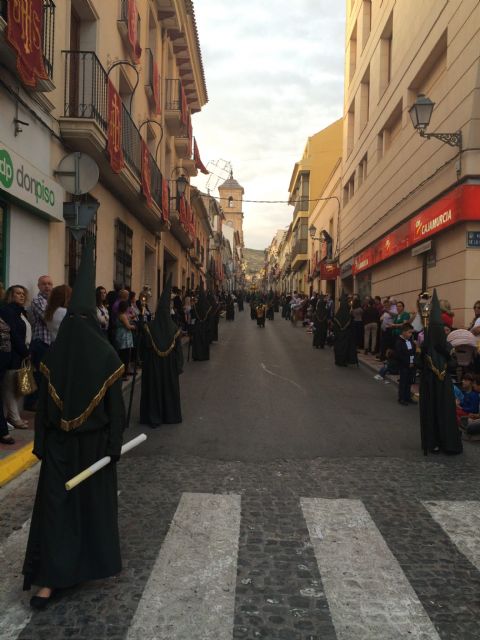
(274, 74)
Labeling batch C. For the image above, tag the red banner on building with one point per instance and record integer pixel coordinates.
(182, 211)
(183, 105)
(196, 156)
(157, 108)
(146, 174)
(136, 50)
(114, 140)
(25, 35)
(329, 271)
(165, 199)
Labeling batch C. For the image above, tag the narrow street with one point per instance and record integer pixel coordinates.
(293, 503)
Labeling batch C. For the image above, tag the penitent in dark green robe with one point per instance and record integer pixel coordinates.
(80, 419)
(160, 395)
(201, 330)
(74, 534)
(344, 346)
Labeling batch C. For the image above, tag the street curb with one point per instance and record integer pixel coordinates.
(19, 461)
(375, 369)
(16, 463)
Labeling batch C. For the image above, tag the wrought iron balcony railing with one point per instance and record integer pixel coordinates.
(299, 247)
(86, 96)
(48, 34)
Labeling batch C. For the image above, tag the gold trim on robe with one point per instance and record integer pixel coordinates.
(162, 354)
(74, 423)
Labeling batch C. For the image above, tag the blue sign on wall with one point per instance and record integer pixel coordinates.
(473, 239)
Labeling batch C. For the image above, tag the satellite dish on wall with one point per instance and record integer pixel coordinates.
(77, 173)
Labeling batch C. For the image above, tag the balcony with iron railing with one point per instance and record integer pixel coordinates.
(179, 225)
(299, 252)
(84, 126)
(8, 55)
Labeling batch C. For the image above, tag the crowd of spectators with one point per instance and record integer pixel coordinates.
(386, 329)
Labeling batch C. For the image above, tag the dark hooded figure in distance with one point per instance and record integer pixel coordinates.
(213, 317)
(438, 420)
(200, 331)
(320, 324)
(80, 419)
(162, 355)
(230, 308)
(344, 345)
(240, 300)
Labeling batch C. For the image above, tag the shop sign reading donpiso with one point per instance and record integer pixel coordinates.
(24, 182)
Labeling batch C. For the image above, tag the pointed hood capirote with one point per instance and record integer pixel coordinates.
(342, 317)
(436, 348)
(321, 311)
(81, 365)
(162, 330)
(201, 306)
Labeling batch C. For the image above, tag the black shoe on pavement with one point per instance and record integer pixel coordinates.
(402, 402)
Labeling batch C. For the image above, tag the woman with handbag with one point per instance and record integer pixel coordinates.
(14, 314)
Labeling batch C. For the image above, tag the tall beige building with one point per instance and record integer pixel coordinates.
(309, 177)
(410, 216)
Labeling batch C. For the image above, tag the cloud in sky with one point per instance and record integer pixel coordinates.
(274, 73)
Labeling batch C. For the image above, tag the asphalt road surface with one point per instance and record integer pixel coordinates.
(292, 503)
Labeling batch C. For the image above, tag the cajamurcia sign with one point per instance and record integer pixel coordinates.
(461, 204)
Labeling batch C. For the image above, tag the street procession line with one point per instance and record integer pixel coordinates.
(272, 373)
(14, 604)
(368, 594)
(461, 522)
(190, 594)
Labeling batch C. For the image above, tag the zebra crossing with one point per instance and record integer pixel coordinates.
(191, 591)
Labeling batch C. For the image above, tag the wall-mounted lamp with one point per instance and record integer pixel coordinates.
(421, 112)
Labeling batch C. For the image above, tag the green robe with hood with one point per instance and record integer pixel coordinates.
(80, 419)
(201, 333)
(162, 355)
(438, 419)
(344, 344)
(320, 323)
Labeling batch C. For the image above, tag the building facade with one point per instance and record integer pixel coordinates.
(306, 186)
(119, 82)
(410, 216)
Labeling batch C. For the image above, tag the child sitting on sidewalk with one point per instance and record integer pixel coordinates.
(470, 423)
(389, 366)
(469, 405)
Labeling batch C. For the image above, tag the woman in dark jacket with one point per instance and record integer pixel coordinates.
(5, 358)
(14, 314)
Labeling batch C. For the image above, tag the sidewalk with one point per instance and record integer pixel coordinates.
(16, 458)
(370, 362)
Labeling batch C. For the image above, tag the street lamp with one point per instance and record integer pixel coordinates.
(421, 112)
(181, 185)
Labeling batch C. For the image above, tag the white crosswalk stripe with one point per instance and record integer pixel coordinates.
(461, 522)
(190, 594)
(16, 612)
(361, 577)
